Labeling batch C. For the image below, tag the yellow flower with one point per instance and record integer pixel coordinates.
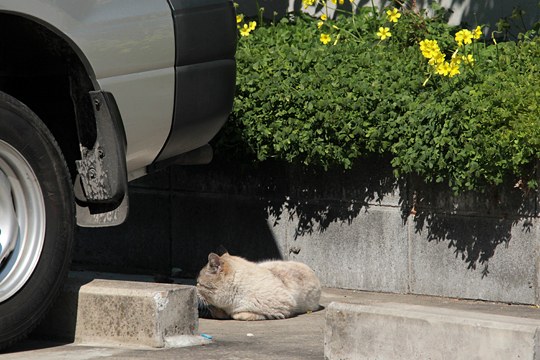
(341, 2)
(477, 33)
(320, 24)
(455, 59)
(239, 18)
(393, 15)
(324, 17)
(469, 59)
(437, 58)
(245, 30)
(464, 37)
(334, 1)
(307, 3)
(426, 46)
(443, 69)
(325, 38)
(430, 49)
(454, 69)
(384, 33)
(454, 64)
(252, 25)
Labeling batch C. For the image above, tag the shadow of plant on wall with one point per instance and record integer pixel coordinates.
(272, 209)
(318, 199)
(473, 225)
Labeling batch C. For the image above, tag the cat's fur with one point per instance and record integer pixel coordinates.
(234, 287)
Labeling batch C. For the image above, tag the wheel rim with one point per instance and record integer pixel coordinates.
(22, 228)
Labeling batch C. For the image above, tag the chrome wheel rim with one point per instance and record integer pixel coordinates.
(22, 223)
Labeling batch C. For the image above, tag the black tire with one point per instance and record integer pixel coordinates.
(29, 155)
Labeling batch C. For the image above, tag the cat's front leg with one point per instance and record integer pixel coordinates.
(248, 316)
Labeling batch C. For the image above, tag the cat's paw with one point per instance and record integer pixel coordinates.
(248, 316)
(279, 315)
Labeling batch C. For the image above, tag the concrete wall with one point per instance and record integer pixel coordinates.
(359, 230)
(472, 12)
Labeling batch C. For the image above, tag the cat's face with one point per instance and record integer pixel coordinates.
(210, 277)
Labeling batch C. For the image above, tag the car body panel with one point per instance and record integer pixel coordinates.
(129, 49)
(206, 37)
(146, 135)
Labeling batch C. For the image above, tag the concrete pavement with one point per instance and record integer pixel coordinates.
(301, 337)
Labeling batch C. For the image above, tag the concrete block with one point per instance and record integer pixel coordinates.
(400, 331)
(369, 252)
(124, 313)
(476, 258)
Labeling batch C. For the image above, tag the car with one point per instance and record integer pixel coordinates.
(94, 94)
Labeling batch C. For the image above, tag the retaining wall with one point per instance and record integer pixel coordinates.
(361, 229)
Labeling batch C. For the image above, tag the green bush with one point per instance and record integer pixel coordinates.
(300, 100)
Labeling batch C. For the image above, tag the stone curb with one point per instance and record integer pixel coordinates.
(124, 313)
(403, 331)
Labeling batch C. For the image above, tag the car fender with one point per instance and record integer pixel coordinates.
(128, 48)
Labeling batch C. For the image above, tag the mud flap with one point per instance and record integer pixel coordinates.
(101, 185)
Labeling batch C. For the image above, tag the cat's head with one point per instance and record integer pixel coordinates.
(212, 276)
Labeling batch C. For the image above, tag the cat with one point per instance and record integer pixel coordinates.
(233, 287)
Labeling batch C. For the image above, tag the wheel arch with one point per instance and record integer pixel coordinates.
(43, 68)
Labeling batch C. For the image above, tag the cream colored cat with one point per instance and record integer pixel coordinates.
(234, 287)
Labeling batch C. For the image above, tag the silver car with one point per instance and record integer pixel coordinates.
(93, 94)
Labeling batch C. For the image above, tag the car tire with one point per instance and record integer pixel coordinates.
(37, 220)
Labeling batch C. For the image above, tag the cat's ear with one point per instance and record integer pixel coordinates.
(214, 263)
(221, 250)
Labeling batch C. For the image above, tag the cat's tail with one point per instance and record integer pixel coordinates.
(204, 309)
(207, 311)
